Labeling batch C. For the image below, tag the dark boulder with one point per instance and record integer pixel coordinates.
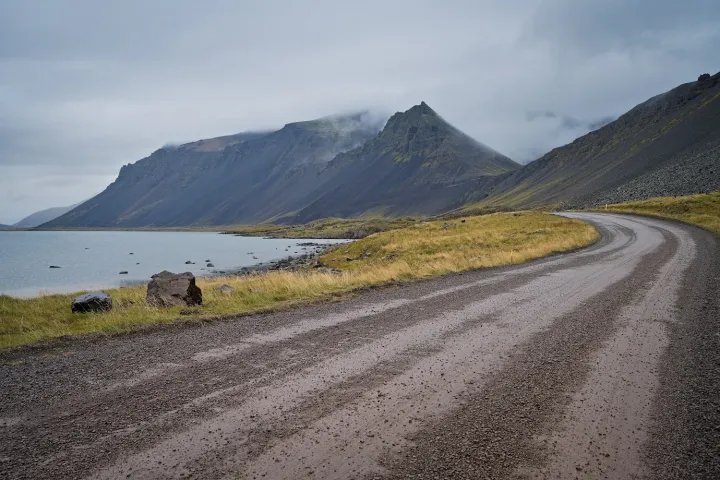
(92, 302)
(188, 262)
(124, 272)
(167, 289)
(210, 265)
(704, 77)
(54, 266)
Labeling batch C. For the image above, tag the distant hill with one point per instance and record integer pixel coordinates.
(668, 145)
(418, 164)
(335, 165)
(4, 227)
(43, 216)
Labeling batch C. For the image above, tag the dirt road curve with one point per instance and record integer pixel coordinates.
(604, 363)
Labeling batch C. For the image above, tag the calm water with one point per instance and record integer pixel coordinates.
(90, 260)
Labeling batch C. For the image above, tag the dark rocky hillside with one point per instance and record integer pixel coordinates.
(335, 166)
(418, 164)
(667, 145)
(245, 178)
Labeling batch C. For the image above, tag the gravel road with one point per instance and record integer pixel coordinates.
(602, 363)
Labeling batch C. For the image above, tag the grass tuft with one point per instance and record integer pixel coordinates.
(421, 250)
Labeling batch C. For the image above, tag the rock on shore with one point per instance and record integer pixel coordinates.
(92, 302)
(167, 289)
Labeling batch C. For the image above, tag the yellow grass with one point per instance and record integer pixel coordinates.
(702, 210)
(422, 250)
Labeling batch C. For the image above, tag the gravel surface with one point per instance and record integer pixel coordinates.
(602, 363)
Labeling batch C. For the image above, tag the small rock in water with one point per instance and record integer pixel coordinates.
(211, 265)
(208, 261)
(123, 273)
(188, 262)
(54, 266)
(225, 289)
(255, 257)
(137, 263)
(92, 302)
(131, 253)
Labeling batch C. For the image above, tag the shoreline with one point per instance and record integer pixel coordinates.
(289, 263)
(285, 263)
(425, 250)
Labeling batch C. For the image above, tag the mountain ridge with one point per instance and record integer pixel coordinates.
(231, 182)
(417, 165)
(426, 165)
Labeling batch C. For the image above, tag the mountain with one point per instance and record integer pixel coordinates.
(5, 227)
(244, 178)
(668, 145)
(418, 164)
(340, 165)
(43, 216)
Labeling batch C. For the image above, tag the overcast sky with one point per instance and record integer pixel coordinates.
(87, 86)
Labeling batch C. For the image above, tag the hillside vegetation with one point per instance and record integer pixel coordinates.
(421, 250)
(702, 210)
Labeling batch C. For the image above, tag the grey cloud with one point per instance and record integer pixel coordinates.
(569, 122)
(88, 86)
(600, 122)
(594, 28)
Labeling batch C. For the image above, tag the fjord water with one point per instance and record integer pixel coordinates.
(91, 260)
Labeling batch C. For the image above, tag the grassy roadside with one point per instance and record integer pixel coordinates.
(422, 250)
(702, 210)
(353, 228)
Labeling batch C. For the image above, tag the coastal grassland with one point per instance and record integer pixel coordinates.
(352, 228)
(423, 249)
(702, 209)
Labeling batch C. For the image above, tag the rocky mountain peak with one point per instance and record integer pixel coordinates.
(417, 116)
